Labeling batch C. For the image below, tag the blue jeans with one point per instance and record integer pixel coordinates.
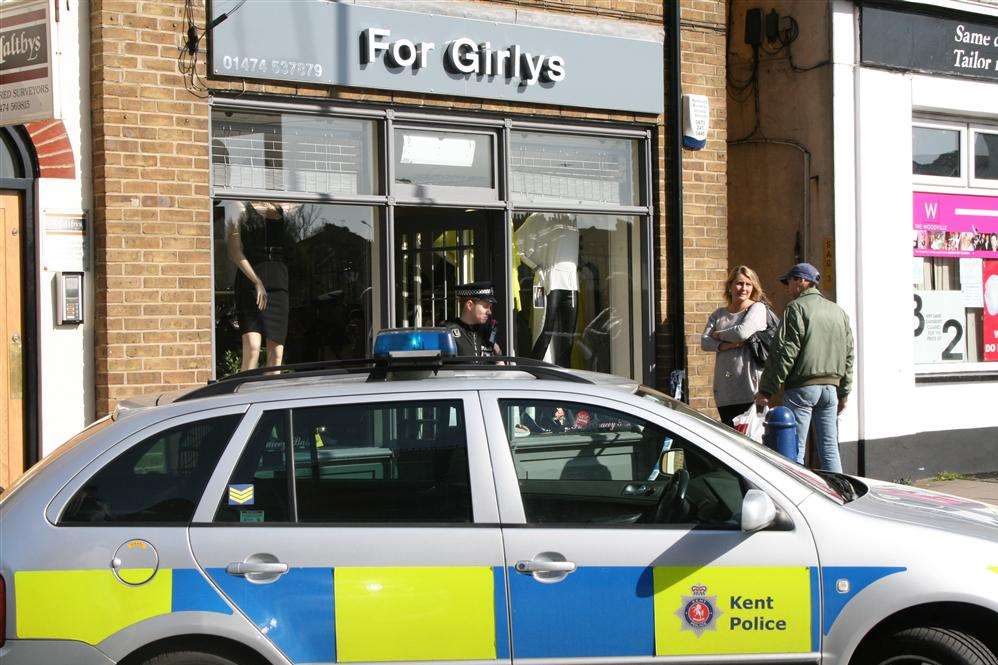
(822, 404)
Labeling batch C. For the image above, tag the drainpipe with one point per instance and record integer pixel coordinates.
(677, 287)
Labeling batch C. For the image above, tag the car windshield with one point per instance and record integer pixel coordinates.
(85, 434)
(840, 491)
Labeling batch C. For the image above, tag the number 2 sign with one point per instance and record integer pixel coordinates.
(939, 327)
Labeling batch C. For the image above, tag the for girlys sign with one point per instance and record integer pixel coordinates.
(955, 225)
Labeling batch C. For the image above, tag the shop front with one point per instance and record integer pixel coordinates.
(358, 217)
(926, 128)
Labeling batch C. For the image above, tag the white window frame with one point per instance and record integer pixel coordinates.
(982, 183)
(962, 128)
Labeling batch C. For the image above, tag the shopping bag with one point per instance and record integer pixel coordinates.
(752, 423)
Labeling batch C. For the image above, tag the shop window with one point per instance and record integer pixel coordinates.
(955, 247)
(576, 290)
(462, 163)
(574, 170)
(937, 152)
(985, 159)
(314, 262)
(283, 152)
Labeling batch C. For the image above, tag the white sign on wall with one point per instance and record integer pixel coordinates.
(939, 320)
(25, 63)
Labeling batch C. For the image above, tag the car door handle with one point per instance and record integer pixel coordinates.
(535, 566)
(256, 567)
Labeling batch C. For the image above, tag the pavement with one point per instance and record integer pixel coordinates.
(982, 488)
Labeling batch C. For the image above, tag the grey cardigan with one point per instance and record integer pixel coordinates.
(736, 376)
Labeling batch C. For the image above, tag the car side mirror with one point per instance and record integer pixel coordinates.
(758, 511)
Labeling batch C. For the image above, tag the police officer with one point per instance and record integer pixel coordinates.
(470, 327)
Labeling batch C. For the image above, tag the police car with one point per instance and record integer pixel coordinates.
(423, 507)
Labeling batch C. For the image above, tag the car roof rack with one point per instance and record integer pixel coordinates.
(378, 369)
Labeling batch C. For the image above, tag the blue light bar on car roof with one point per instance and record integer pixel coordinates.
(414, 342)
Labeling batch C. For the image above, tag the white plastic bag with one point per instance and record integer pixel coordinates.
(752, 423)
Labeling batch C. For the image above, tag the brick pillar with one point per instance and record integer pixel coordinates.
(705, 228)
(152, 212)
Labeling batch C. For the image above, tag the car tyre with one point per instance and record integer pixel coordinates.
(936, 646)
(190, 658)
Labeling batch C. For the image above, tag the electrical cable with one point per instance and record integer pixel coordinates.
(190, 50)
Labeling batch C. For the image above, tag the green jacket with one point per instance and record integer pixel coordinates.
(813, 346)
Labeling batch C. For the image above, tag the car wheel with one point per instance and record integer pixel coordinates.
(190, 658)
(928, 646)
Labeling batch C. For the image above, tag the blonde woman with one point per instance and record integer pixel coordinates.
(736, 375)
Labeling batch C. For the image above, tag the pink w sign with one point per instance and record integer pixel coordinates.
(956, 225)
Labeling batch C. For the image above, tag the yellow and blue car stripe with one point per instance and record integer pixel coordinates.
(345, 614)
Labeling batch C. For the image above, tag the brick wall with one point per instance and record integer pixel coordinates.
(704, 188)
(151, 173)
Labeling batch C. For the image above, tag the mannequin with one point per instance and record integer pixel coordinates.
(258, 242)
(549, 243)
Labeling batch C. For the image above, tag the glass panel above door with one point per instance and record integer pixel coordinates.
(429, 159)
(566, 169)
(284, 152)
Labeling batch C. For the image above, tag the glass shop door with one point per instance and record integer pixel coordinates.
(437, 249)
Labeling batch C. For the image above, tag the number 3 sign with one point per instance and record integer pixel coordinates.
(939, 322)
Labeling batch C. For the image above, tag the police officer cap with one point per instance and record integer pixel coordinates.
(477, 290)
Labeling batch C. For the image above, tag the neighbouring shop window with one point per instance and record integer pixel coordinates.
(314, 263)
(574, 170)
(284, 152)
(955, 252)
(936, 151)
(576, 290)
(986, 158)
(10, 164)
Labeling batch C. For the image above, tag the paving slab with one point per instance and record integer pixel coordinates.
(968, 488)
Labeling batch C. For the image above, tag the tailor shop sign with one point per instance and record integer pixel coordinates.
(340, 44)
(900, 39)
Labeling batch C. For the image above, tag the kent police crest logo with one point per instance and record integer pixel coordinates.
(698, 611)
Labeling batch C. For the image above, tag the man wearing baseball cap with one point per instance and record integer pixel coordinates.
(473, 325)
(811, 357)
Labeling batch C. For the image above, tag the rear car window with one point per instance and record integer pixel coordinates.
(158, 480)
(359, 463)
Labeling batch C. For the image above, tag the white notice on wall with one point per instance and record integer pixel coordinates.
(939, 322)
(433, 151)
(971, 282)
(65, 242)
(918, 271)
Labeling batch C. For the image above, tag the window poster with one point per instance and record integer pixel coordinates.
(955, 225)
(971, 282)
(940, 326)
(990, 323)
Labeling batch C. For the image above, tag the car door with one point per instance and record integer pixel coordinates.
(623, 539)
(362, 529)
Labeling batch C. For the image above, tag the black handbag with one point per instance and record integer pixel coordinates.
(760, 342)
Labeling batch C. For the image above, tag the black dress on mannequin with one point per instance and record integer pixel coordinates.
(267, 245)
(560, 316)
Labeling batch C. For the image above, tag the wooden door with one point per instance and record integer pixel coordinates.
(11, 344)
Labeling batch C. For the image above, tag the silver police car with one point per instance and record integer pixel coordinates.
(421, 507)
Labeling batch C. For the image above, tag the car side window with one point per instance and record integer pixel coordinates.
(586, 464)
(358, 463)
(259, 489)
(158, 480)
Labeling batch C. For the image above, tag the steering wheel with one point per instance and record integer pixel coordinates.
(673, 496)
